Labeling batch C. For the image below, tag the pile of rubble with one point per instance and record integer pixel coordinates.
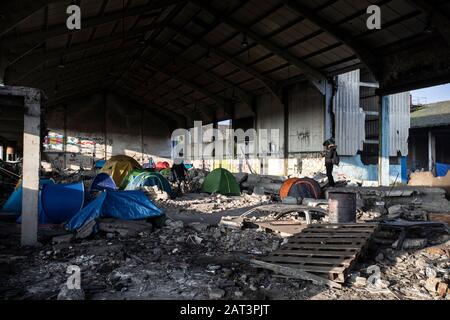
(173, 259)
(205, 203)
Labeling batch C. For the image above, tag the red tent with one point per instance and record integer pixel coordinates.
(162, 165)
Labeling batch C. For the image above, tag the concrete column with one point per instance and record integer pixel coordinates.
(431, 152)
(328, 132)
(285, 101)
(31, 165)
(3, 65)
(384, 143)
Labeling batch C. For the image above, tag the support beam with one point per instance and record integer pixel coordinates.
(3, 65)
(384, 143)
(245, 96)
(431, 152)
(31, 166)
(31, 160)
(286, 130)
(28, 41)
(363, 53)
(268, 83)
(13, 12)
(189, 83)
(77, 63)
(314, 75)
(39, 56)
(440, 20)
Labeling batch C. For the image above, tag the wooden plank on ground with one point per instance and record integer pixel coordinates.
(295, 273)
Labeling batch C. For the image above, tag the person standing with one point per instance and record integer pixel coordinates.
(331, 159)
(179, 172)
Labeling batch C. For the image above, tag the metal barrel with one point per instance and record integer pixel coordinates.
(342, 206)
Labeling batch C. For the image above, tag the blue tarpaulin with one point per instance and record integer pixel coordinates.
(62, 201)
(125, 205)
(442, 169)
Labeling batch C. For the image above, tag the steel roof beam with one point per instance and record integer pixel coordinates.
(226, 104)
(440, 20)
(41, 55)
(314, 75)
(245, 96)
(363, 53)
(29, 41)
(13, 12)
(268, 83)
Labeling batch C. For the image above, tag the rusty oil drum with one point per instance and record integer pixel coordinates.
(342, 206)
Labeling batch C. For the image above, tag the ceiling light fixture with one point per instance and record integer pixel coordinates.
(244, 42)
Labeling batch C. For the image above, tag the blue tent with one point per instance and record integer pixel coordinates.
(103, 181)
(442, 169)
(14, 202)
(62, 201)
(125, 205)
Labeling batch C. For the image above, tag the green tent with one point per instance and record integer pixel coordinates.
(150, 179)
(221, 181)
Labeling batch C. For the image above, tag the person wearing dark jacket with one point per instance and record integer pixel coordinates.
(179, 172)
(331, 159)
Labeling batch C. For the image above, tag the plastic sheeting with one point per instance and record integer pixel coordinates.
(62, 201)
(14, 202)
(442, 169)
(125, 205)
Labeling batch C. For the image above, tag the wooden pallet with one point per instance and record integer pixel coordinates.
(329, 250)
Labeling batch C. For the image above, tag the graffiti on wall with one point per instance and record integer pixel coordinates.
(76, 151)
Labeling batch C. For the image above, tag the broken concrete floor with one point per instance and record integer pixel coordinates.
(200, 260)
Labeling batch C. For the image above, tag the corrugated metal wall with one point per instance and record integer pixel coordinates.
(399, 123)
(351, 101)
(349, 117)
(306, 119)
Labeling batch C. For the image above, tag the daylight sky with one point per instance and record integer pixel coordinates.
(432, 94)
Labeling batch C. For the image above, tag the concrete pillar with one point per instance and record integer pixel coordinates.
(3, 65)
(10, 153)
(31, 165)
(431, 152)
(384, 143)
(328, 97)
(285, 101)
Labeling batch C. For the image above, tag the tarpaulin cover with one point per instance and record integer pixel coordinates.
(442, 169)
(125, 205)
(99, 164)
(14, 202)
(62, 201)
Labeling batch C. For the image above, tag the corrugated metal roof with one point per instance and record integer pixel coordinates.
(431, 115)
(43, 35)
